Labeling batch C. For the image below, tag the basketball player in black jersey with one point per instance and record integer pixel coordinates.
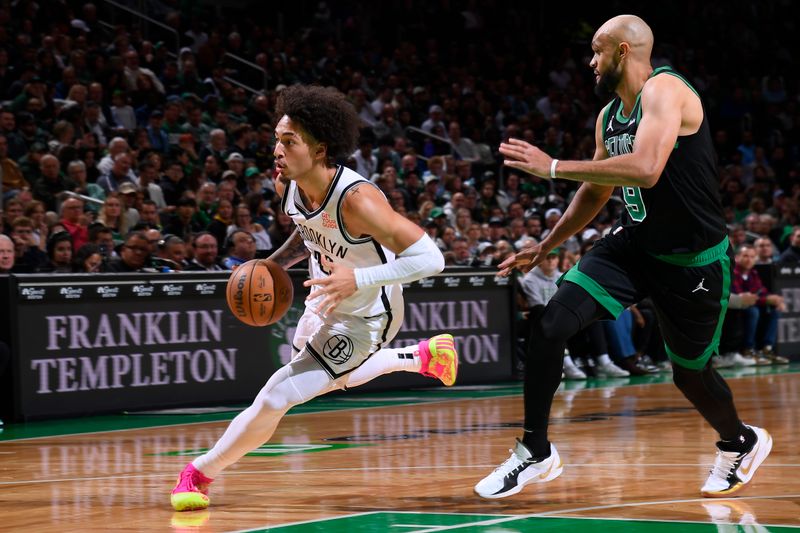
(653, 141)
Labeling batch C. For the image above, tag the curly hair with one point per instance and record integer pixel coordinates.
(324, 114)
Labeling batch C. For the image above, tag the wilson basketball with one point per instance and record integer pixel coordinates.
(259, 292)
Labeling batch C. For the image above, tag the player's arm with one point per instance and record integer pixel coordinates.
(662, 102)
(365, 212)
(588, 201)
(291, 252)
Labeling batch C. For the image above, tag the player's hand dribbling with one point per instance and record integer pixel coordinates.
(526, 157)
(524, 260)
(340, 284)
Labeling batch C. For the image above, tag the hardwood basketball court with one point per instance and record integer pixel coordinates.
(635, 455)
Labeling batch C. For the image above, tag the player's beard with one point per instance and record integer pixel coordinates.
(608, 82)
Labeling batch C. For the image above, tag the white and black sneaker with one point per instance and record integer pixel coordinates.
(733, 470)
(518, 471)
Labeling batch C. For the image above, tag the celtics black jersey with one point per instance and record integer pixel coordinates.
(682, 212)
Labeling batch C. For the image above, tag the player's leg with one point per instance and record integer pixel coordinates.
(435, 357)
(533, 458)
(691, 324)
(293, 384)
(300, 380)
(598, 287)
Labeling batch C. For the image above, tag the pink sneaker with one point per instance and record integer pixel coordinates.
(439, 358)
(191, 492)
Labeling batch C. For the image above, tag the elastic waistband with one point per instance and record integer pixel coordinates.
(696, 259)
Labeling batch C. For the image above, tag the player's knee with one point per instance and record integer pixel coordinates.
(278, 398)
(558, 323)
(685, 378)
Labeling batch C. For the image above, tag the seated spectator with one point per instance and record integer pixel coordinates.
(59, 253)
(153, 236)
(240, 247)
(172, 252)
(6, 254)
(35, 211)
(134, 255)
(243, 221)
(73, 219)
(51, 183)
(206, 204)
(223, 218)
(121, 112)
(765, 251)
(148, 214)
(76, 171)
(118, 174)
(461, 254)
(12, 208)
(111, 216)
(103, 238)
(792, 253)
(28, 257)
(183, 222)
(464, 148)
(173, 183)
(87, 260)
(206, 252)
(13, 180)
(148, 176)
(281, 229)
(765, 311)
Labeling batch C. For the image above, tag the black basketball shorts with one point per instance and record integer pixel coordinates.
(689, 291)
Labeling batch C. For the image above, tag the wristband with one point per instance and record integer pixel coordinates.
(553, 169)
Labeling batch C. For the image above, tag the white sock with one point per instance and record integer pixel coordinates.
(568, 361)
(385, 361)
(604, 360)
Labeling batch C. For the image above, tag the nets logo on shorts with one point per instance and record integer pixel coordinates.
(338, 349)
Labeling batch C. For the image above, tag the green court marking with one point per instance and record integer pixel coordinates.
(465, 523)
(334, 402)
(380, 521)
(271, 450)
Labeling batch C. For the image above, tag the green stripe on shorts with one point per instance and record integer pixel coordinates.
(713, 346)
(597, 291)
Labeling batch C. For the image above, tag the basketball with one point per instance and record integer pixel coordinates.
(259, 292)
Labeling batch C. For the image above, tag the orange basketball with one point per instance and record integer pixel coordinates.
(259, 292)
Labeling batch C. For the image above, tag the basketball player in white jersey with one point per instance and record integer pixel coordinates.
(360, 252)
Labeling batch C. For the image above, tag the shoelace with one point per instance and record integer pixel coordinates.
(724, 464)
(513, 460)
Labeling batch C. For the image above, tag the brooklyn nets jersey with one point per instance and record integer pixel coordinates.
(324, 234)
(682, 212)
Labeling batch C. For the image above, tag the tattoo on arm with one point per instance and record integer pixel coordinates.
(292, 252)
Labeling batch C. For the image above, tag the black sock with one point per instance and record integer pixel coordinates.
(743, 443)
(537, 444)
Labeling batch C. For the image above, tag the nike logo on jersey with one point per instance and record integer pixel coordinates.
(610, 124)
(700, 286)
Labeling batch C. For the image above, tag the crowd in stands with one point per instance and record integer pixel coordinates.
(118, 154)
